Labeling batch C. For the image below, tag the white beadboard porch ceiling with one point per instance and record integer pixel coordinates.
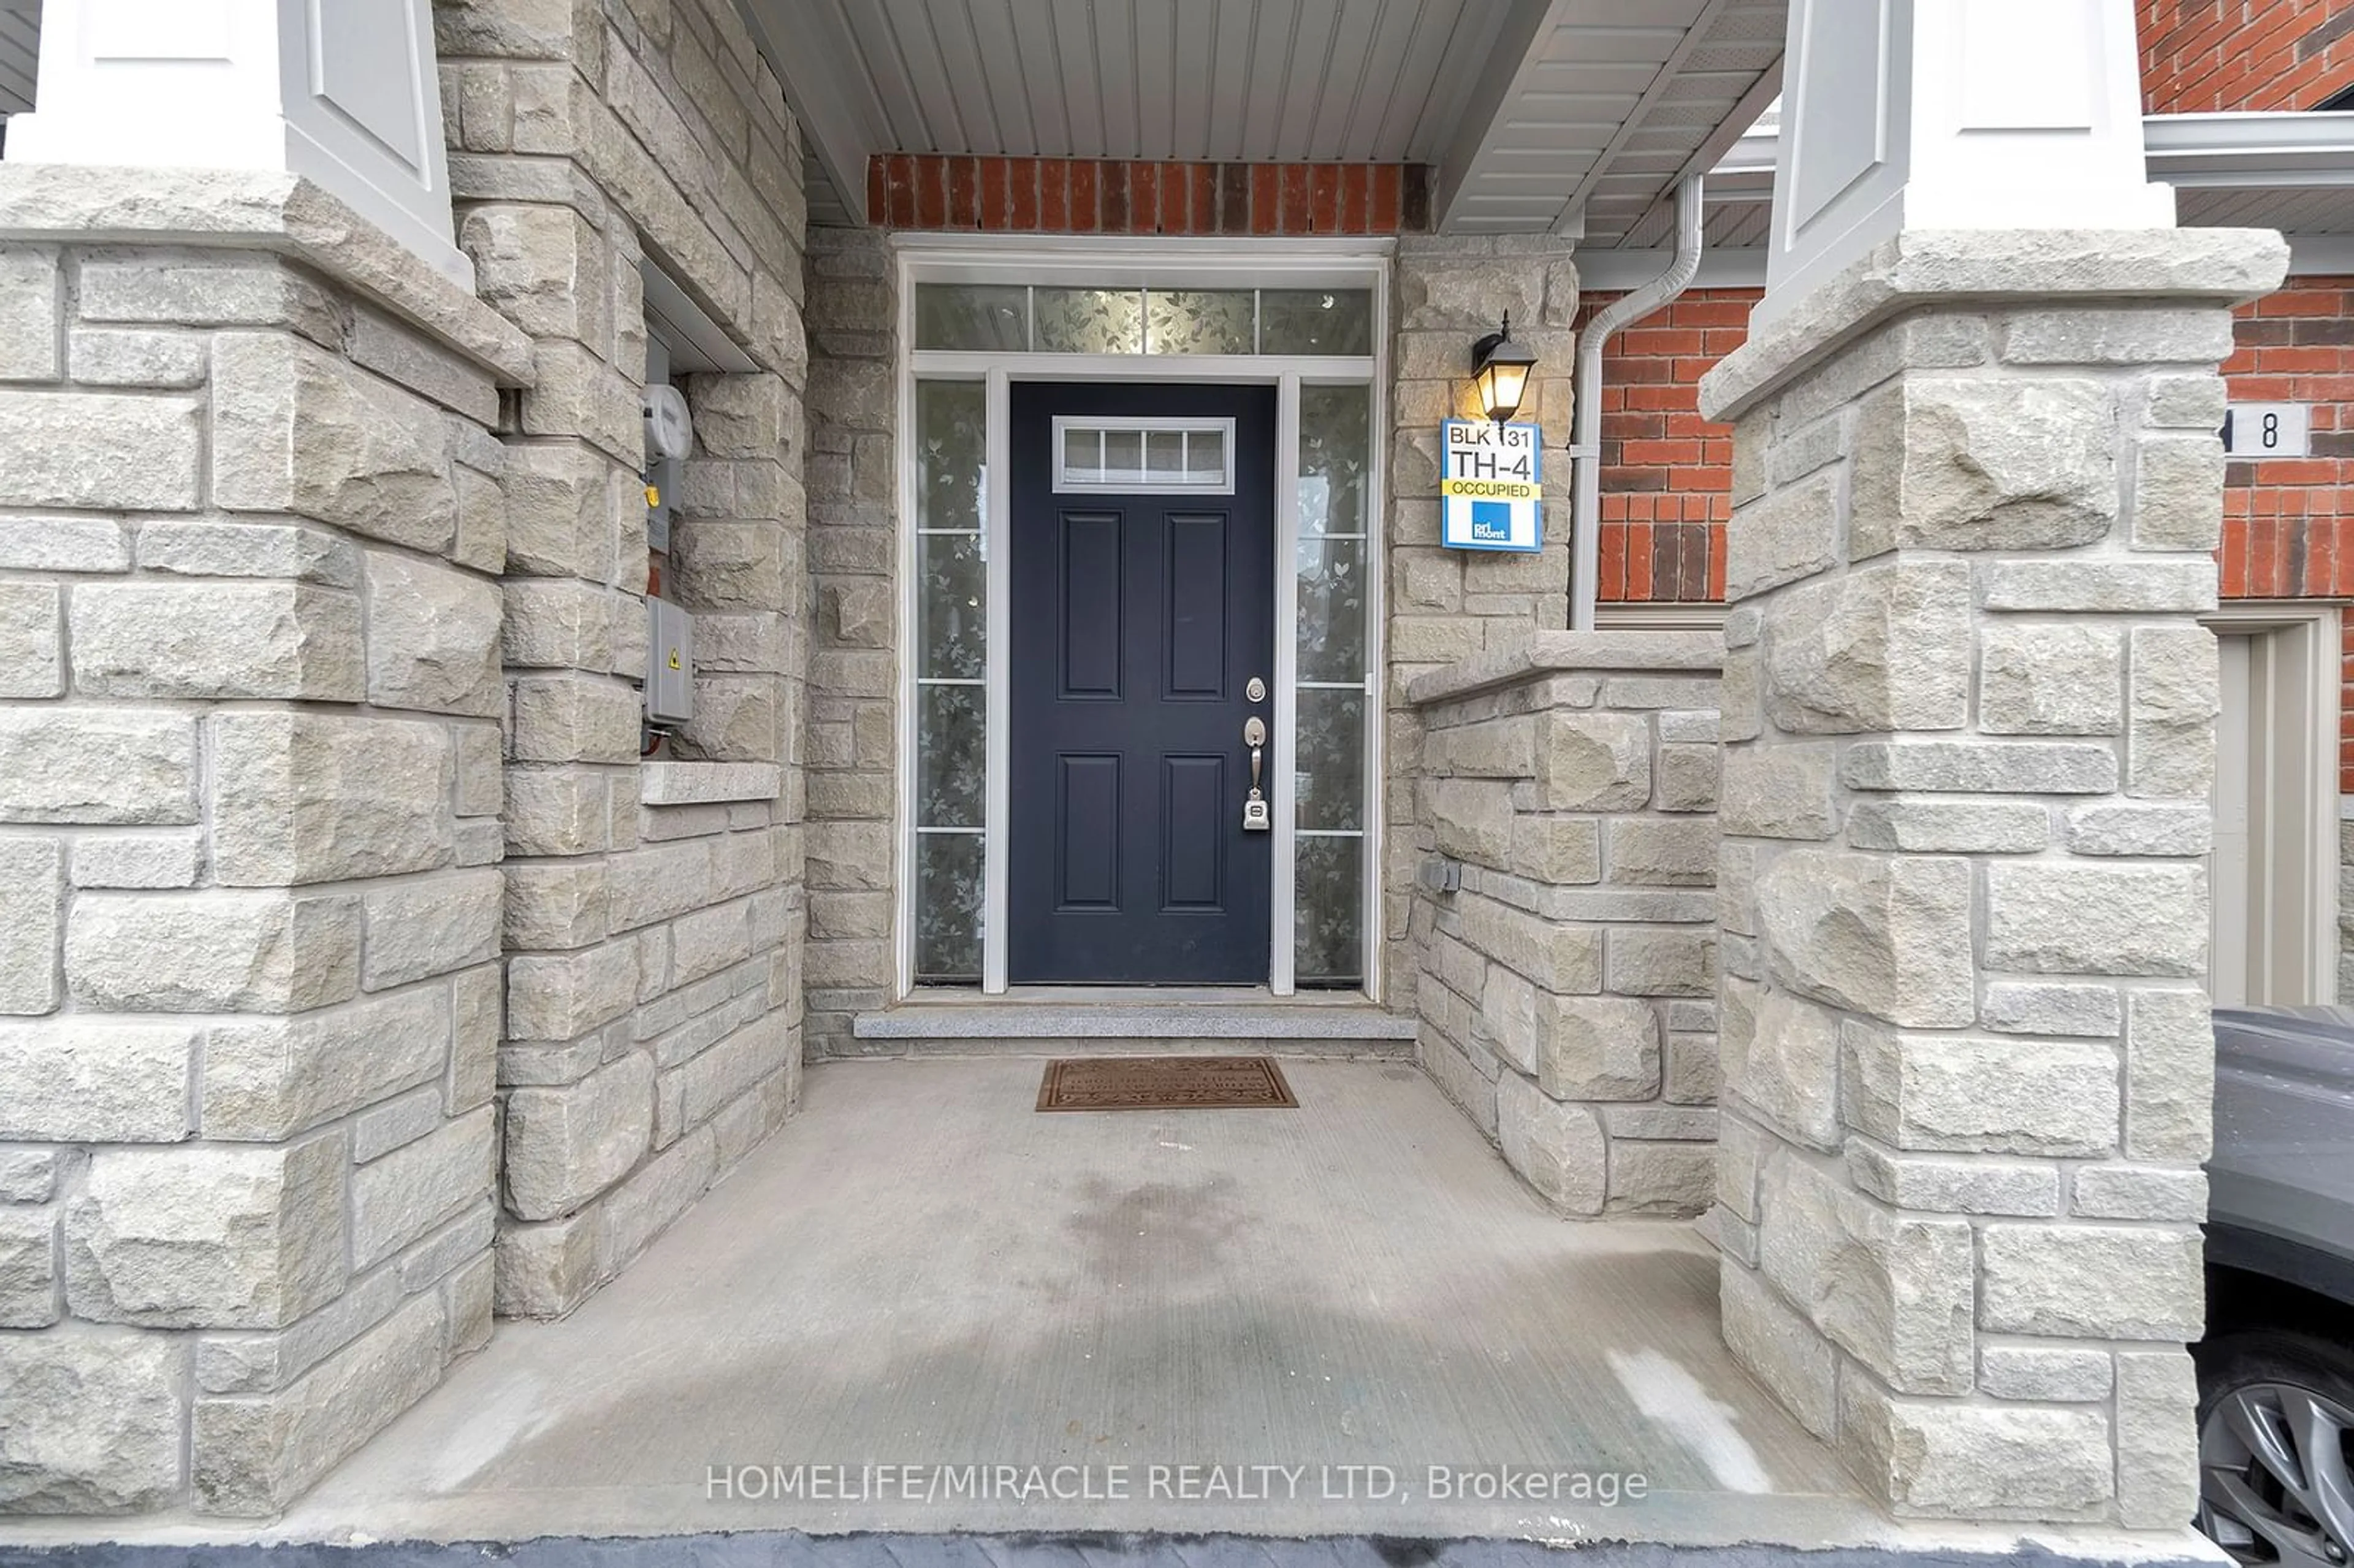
(1539, 114)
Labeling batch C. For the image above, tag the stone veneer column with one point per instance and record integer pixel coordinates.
(1968, 713)
(653, 917)
(1568, 977)
(1449, 605)
(854, 736)
(250, 533)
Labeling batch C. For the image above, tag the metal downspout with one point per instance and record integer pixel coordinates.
(1586, 449)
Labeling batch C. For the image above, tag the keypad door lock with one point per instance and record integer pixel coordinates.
(1257, 818)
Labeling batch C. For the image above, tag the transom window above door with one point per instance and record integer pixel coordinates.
(1126, 456)
(1018, 317)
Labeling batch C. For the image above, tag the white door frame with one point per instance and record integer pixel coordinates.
(1126, 262)
(2316, 833)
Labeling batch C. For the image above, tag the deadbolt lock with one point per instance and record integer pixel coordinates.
(1255, 690)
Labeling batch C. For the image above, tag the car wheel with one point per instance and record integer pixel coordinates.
(2274, 1412)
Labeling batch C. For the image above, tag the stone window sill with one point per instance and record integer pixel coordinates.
(706, 783)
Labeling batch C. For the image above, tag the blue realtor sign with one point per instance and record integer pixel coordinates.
(1490, 486)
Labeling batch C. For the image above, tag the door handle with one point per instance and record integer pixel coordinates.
(1257, 818)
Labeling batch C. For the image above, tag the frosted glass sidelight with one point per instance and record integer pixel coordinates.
(950, 764)
(1328, 919)
(1331, 609)
(1328, 783)
(1335, 459)
(952, 445)
(1331, 654)
(949, 887)
(951, 645)
(951, 607)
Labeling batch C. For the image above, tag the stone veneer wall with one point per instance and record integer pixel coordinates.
(653, 992)
(251, 526)
(1568, 985)
(853, 542)
(1970, 721)
(1443, 605)
(1446, 606)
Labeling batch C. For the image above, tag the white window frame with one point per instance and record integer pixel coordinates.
(1124, 261)
(2313, 831)
(1179, 482)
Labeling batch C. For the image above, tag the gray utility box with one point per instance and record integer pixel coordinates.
(669, 662)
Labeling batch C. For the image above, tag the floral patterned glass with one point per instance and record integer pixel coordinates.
(1089, 321)
(948, 908)
(951, 630)
(1329, 784)
(950, 776)
(972, 315)
(951, 442)
(951, 610)
(1011, 317)
(1332, 609)
(1335, 455)
(1200, 321)
(1328, 920)
(1315, 321)
(1329, 750)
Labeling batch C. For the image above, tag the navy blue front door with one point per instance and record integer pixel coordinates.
(1139, 622)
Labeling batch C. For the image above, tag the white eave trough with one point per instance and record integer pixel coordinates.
(2289, 171)
(2311, 149)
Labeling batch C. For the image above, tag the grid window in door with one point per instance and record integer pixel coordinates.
(1126, 457)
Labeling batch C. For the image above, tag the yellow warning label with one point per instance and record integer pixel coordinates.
(1492, 489)
(673, 658)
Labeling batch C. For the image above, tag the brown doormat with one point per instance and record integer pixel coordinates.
(1164, 1082)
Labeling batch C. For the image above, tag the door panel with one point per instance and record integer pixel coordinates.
(1200, 594)
(1089, 602)
(1088, 836)
(1137, 620)
(1193, 834)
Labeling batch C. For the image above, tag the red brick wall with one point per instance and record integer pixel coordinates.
(2288, 523)
(1110, 196)
(2206, 55)
(1667, 473)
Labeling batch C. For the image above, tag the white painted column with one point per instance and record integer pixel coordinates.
(1900, 115)
(341, 92)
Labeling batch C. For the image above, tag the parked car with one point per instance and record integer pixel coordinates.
(2276, 1368)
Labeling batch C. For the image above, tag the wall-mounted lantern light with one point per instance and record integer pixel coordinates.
(1501, 368)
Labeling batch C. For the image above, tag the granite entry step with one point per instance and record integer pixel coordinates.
(1141, 1021)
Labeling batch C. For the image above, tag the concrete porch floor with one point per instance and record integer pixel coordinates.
(921, 1270)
